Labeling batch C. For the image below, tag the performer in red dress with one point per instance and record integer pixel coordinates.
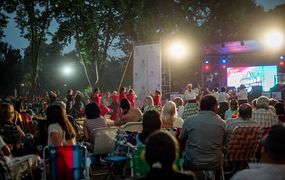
(131, 96)
(96, 97)
(123, 93)
(157, 98)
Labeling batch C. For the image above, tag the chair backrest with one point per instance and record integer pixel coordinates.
(66, 161)
(132, 127)
(139, 166)
(243, 143)
(104, 140)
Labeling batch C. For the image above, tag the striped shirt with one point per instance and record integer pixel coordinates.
(265, 118)
(96, 123)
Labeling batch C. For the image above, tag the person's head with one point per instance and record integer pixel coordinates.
(56, 114)
(223, 89)
(7, 112)
(18, 106)
(69, 92)
(150, 122)
(123, 90)
(148, 101)
(78, 98)
(157, 92)
(234, 104)
(215, 89)
(114, 93)
(262, 102)
(242, 87)
(274, 145)
(178, 101)
(168, 112)
(125, 104)
(131, 91)
(52, 97)
(189, 86)
(272, 101)
(253, 103)
(96, 90)
(279, 107)
(245, 111)
(161, 150)
(209, 103)
(92, 111)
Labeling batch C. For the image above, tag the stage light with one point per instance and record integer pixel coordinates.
(67, 70)
(178, 50)
(207, 67)
(206, 62)
(281, 63)
(224, 66)
(282, 57)
(274, 39)
(223, 60)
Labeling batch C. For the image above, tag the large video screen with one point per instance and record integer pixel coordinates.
(264, 76)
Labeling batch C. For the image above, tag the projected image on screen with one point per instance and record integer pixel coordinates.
(252, 76)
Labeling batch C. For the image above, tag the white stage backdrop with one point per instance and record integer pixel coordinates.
(146, 70)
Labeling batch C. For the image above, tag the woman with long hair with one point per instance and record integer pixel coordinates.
(60, 130)
(169, 116)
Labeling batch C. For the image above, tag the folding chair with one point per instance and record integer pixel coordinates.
(69, 162)
(133, 127)
(104, 143)
(242, 146)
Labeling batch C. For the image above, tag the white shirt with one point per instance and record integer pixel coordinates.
(57, 129)
(190, 95)
(180, 111)
(178, 122)
(223, 97)
(216, 95)
(242, 94)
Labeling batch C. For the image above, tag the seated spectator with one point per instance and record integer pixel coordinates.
(150, 122)
(232, 112)
(180, 107)
(147, 104)
(127, 113)
(76, 110)
(24, 120)
(272, 164)
(14, 162)
(244, 119)
(169, 116)
(93, 120)
(204, 136)
(10, 132)
(280, 111)
(262, 114)
(161, 152)
(60, 130)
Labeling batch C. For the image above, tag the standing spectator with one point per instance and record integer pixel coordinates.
(160, 153)
(223, 102)
(191, 107)
(263, 115)
(232, 112)
(69, 101)
(122, 93)
(205, 136)
(216, 94)
(242, 95)
(272, 164)
(60, 130)
(77, 107)
(131, 96)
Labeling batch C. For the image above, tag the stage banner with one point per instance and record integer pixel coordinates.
(146, 70)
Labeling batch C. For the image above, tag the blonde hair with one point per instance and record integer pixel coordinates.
(168, 112)
(148, 101)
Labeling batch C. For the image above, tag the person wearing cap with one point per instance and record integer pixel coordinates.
(262, 114)
(272, 164)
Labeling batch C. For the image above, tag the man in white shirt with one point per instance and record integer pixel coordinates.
(242, 95)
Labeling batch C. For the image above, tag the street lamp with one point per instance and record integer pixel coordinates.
(67, 70)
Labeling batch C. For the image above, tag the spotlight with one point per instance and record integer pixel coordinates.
(224, 66)
(281, 63)
(206, 62)
(282, 57)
